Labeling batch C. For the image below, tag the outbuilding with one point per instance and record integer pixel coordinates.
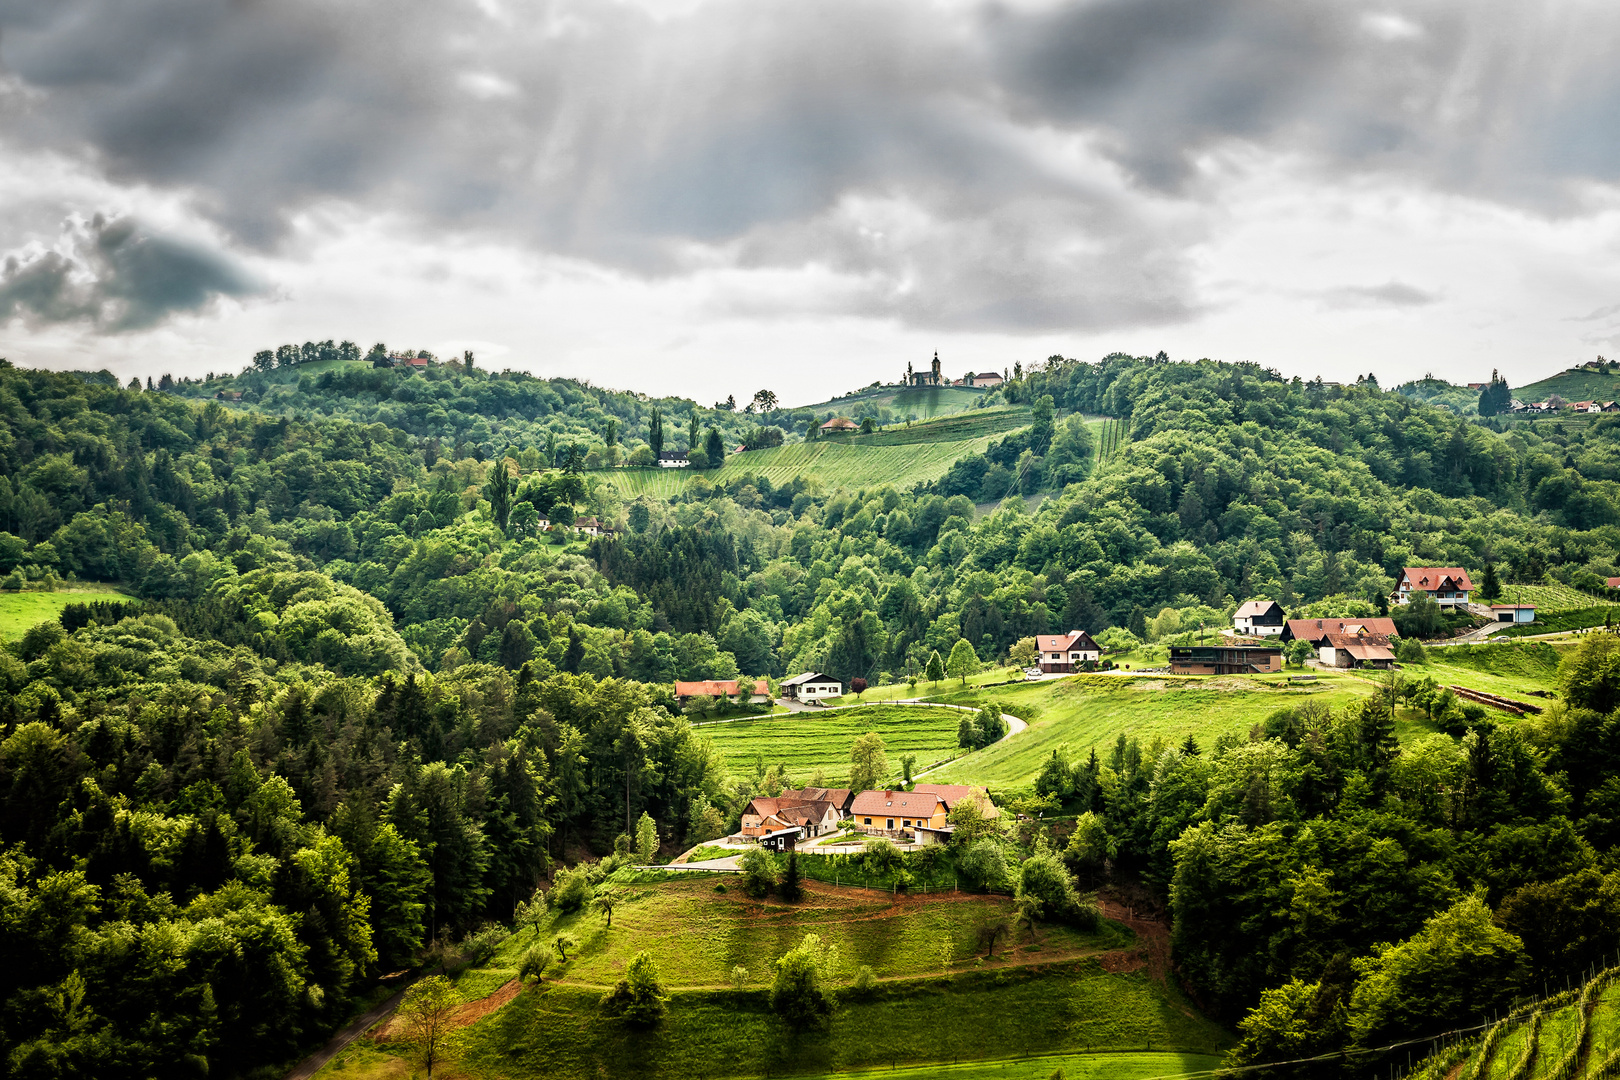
(1514, 613)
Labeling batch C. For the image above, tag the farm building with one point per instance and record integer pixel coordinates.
(985, 378)
(589, 526)
(1224, 659)
(1356, 650)
(1064, 653)
(717, 688)
(811, 686)
(763, 816)
(1260, 618)
(1515, 613)
(1316, 631)
(889, 813)
(841, 798)
(839, 423)
(673, 459)
(1448, 586)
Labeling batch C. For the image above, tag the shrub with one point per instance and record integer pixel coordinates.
(865, 981)
(881, 855)
(572, 889)
(983, 864)
(638, 997)
(797, 994)
(481, 944)
(758, 872)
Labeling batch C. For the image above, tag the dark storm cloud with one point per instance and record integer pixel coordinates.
(996, 166)
(116, 279)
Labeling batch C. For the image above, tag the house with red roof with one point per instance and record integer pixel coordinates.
(716, 688)
(1065, 653)
(890, 813)
(1448, 586)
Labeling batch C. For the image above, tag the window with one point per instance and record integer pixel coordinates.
(869, 821)
(891, 823)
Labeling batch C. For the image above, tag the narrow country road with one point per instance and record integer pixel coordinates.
(339, 1042)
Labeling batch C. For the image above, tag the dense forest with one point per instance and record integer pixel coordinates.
(365, 703)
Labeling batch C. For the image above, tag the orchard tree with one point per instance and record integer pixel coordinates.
(639, 997)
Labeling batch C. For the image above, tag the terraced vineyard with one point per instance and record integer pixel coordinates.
(1571, 1036)
(906, 401)
(808, 741)
(968, 425)
(1550, 599)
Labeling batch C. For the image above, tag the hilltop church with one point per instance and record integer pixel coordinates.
(925, 378)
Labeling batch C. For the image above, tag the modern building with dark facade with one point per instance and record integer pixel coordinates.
(1224, 659)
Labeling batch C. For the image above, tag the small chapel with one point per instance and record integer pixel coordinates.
(925, 378)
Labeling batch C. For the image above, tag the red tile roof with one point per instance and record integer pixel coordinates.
(896, 803)
(1317, 629)
(1074, 639)
(1428, 578)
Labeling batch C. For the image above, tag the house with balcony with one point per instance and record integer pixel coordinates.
(1066, 653)
(1448, 586)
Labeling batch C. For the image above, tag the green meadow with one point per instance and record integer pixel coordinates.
(21, 610)
(808, 741)
(940, 1007)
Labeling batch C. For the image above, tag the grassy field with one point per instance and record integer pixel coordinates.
(1047, 996)
(1572, 386)
(19, 611)
(926, 403)
(1110, 435)
(1513, 670)
(831, 463)
(1090, 711)
(805, 742)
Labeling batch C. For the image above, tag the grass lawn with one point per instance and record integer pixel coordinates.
(1087, 711)
(808, 741)
(21, 610)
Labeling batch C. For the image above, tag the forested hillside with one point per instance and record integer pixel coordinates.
(366, 701)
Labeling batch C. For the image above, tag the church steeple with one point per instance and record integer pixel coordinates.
(936, 367)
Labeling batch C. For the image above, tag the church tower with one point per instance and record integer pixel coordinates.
(936, 367)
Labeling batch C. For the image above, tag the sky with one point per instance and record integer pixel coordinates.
(711, 197)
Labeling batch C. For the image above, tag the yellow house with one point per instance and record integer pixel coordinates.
(888, 813)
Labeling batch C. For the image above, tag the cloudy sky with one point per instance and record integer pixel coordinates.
(710, 196)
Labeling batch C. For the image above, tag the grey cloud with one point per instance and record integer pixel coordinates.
(744, 131)
(116, 279)
(1389, 294)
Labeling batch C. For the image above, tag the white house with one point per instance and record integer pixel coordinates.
(1447, 585)
(1259, 618)
(673, 459)
(811, 686)
(1064, 653)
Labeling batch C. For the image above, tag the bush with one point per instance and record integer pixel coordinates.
(881, 855)
(572, 889)
(983, 864)
(865, 981)
(638, 997)
(758, 872)
(1408, 651)
(796, 991)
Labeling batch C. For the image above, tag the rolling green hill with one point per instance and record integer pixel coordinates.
(905, 401)
(1572, 385)
(938, 999)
